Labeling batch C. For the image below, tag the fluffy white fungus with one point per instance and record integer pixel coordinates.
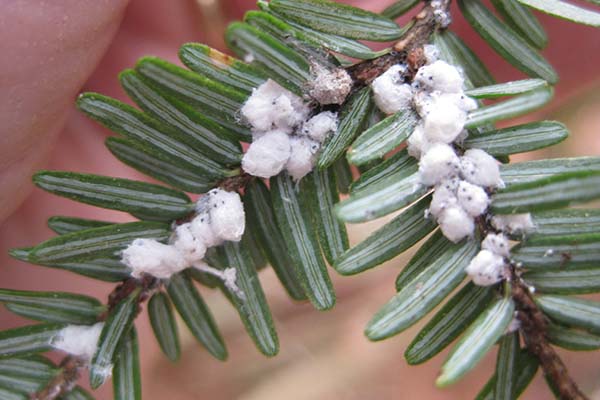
(513, 223)
(321, 126)
(267, 155)
(227, 217)
(486, 268)
(472, 198)
(455, 223)
(438, 163)
(497, 244)
(78, 340)
(479, 168)
(390, 93)
(272, 106)
(330, 86)
(417, 143)
(443, 197)
(439, 76)
(303, 157)
(188, 244)
(443, 120)
(154, 258)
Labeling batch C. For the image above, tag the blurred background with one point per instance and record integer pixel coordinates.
(54, 50)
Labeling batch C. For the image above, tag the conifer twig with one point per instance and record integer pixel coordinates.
(64, 382)
(71, 366)
(408, 49)
(533, 326)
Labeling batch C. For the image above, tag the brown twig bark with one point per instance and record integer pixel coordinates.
(533, 328)
(236, 183)
(63, 383)
(147, 283)
(409, 49)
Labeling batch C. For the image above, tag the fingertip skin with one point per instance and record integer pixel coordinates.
(49, 50)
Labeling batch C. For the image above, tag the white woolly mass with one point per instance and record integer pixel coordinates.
(439, 76)
(330, 87)
(443, 120)
(497, 244)
(438, 97)
(321, 126)
(259, 134)
(220, 217)
(202, 230)
(390, 93)
(283, 135)
(227, 217)
(464, 102)
(472, 198)
(455, 223)
(450, 184)
(479, 168)
(78, 340)
(513, 223)
(443, 197)
(187, 244)
(431, 53)
(267, 155)
(303, 157)
(486, 268)
(417, 143)
(422, 102)
(272, 106)
(440, 101)
(438, 163)
(441, 15)
(152, 257)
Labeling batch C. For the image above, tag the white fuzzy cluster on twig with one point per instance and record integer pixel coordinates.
(220, 217)
(78, 340)
(441, 14)
(285, 136)
(329, 86)
(513, 223)
(489, 265)
(461, 182)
